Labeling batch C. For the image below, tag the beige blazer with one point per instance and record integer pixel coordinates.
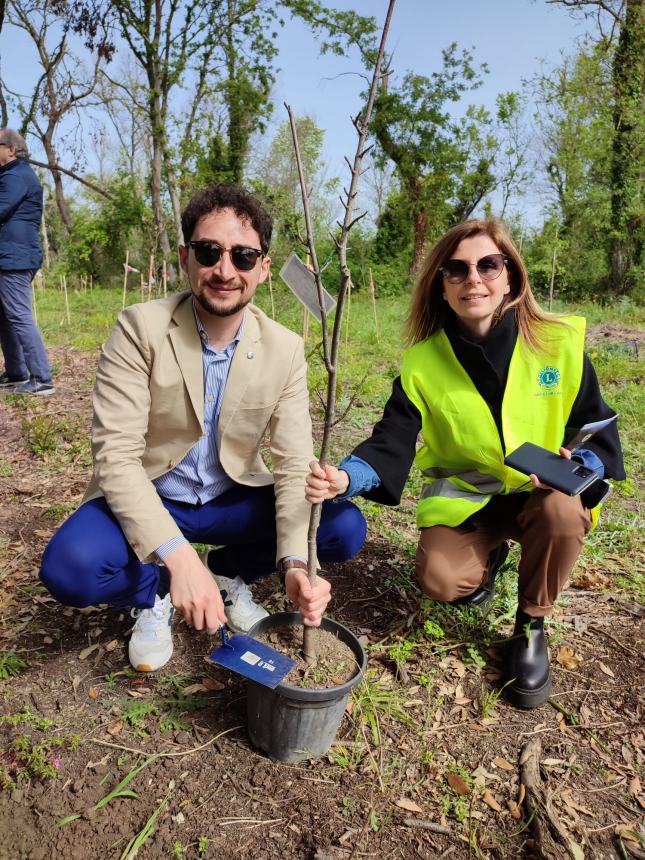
(149, 412)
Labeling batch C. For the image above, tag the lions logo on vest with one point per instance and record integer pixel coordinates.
(549, 377)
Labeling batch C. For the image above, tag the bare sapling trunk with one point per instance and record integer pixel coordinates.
(330, 347)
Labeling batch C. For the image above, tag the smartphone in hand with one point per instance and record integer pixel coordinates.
(567, 476)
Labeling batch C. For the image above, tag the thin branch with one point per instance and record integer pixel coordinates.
(57, 168)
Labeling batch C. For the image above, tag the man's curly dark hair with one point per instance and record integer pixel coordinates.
(224, 196)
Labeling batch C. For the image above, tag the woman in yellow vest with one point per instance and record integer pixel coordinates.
(486, 370)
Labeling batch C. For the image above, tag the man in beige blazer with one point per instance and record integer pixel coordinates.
(187, 391)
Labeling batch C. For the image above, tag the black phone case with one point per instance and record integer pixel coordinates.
(568, 476)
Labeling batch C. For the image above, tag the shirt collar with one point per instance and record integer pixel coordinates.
(203, 336)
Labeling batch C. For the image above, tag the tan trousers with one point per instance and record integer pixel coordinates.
(549, 526)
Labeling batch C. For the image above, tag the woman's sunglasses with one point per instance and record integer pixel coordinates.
(210, 253)
(489, 268)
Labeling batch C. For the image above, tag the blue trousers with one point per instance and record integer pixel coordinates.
(89, 560)
(20, 339)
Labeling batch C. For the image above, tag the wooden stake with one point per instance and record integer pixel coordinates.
(91, 283)
(142, 285)
(553, 261)
(165, 279)
(125, 276)
(373, 297)
(305, 325)
(67, 314)
(151, 269)
(271, 296)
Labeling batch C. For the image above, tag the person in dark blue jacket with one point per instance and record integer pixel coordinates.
(27, 369)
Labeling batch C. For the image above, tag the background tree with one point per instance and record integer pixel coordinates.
(622, 23)
(275, 177)
(64, 86)
(164, 36)
(443, 164)
(574, 138)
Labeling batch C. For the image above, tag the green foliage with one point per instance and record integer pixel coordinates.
(445, 166)
(137, 712)
(26, 718)
(10, 665)
(275, 180)
(105, 228)
(371, 699)
(27, 758)
(401, 652)
(49, 434)
(134, 845)
(574, 119)
(592, 128)
(119, 791)
(628, 151)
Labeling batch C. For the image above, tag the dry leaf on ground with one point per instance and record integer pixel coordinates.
(410, 805)
(568, 658)
(115, 727)
(85, 653)
(489, 800)
(458, 783)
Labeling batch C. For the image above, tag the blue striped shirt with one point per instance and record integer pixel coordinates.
(199, 477)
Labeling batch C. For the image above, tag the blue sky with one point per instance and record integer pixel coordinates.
(512, 36)
(515, 38)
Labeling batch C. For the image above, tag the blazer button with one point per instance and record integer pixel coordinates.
(171, 464)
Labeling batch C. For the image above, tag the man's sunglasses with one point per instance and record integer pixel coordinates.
(210, 253)
(489, 268)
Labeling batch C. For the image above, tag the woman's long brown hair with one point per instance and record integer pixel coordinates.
(429, 310)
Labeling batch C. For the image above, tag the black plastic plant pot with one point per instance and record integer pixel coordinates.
(292, 724)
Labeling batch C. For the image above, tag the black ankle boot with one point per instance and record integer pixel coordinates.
(483, 595)
(526, 664)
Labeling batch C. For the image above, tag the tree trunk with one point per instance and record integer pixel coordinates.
(420, 224)
(158, 132)
(171, 181)
(626, 179)
(59, 193)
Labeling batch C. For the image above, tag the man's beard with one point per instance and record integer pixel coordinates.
(211, 308)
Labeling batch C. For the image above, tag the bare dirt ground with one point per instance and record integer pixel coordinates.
(428, 761)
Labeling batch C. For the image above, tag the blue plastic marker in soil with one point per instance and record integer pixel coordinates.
(252, 659)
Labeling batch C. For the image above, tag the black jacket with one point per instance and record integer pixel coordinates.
(391, 448)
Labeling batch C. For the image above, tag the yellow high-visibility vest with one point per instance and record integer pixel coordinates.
(462, 458)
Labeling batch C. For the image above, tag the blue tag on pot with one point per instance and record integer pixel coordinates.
(253, 659)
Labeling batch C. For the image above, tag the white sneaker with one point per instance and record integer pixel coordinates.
(242, 612)
(150, 645)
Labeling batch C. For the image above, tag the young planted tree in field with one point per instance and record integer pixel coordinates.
(330, 347)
